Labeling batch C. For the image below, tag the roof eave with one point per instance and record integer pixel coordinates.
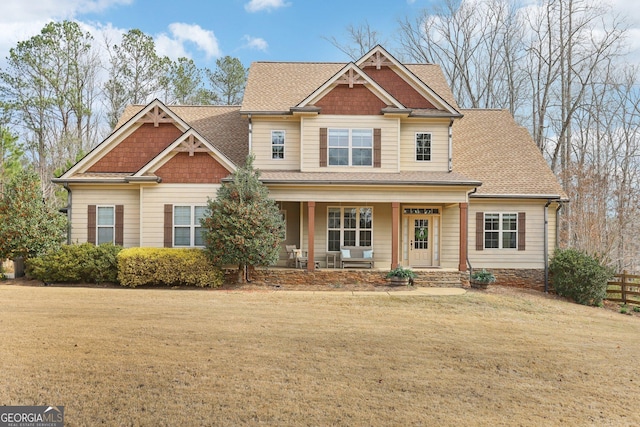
(554, 197)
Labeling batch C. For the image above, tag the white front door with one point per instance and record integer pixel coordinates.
(420, 244)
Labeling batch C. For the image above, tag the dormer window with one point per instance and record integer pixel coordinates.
(350, 147)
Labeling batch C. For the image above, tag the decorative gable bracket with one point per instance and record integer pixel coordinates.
(377, 60)
(191, 145)
(156, 116)
(351, 78)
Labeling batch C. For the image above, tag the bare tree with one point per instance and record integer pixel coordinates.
(360, 39)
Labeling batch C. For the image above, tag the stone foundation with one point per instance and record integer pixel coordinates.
(341, 278)
(520, 278)
(338, 278)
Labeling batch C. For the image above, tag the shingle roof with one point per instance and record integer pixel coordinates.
(368, 178)
(222, 126)
(490, 146)
(278, 86)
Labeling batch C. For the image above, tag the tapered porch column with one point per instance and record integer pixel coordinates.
(311, 215)
(464, 213)
(395, 233)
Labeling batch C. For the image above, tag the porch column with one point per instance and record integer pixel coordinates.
(464, 213)
(395, 232)
(311, 215)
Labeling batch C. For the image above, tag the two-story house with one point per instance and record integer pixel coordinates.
(372, 153)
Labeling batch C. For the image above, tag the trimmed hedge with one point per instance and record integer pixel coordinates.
(168, 267)
(579, 276)
(86, 263)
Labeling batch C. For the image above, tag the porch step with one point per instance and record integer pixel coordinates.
(438, 279)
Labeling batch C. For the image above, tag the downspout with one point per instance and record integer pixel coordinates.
(450, 159)
(469, 262)
(69, 199)
(546, 246)
(250, 133)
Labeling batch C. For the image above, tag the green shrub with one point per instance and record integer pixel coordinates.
(167, 266)
(579, 276)
(76, 263)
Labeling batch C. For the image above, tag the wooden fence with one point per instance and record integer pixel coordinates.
(624, 288)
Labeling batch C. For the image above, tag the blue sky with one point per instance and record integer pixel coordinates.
(251, 30)
(271, 30)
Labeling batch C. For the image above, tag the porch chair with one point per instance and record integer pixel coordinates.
(292, 255)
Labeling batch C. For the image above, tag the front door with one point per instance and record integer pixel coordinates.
(420, 245)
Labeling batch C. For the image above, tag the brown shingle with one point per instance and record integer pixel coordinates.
(490, 146)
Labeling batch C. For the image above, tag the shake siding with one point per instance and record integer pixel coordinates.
(261, 143)
(154, 199)
(450, 238)
(532, 256)
(439, 146)
(93, 195)
(311, 138)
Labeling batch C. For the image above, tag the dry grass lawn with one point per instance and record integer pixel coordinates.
(122, 357)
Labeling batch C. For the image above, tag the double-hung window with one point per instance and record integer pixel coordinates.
(500, 230)
(277, 144)
(350, 147)
(349, 226)
(423, 147)
(105, 224)
(187, 230)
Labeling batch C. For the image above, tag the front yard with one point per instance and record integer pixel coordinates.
(210, 357)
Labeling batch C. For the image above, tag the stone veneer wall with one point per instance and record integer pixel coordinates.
(520, 278)
(297, 277)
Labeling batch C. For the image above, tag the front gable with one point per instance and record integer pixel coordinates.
(188, 159)
(137, 149)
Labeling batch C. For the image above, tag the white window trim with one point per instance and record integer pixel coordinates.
(284, 139)
(342, 228)
(112, 226)
(350, 147)
(500, 230)
(192, 226)
(415, 141)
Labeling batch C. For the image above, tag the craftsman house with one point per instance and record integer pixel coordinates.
(371, 154)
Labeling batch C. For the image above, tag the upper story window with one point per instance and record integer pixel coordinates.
(187, 230)
(105, 224)
(423, 147)
(500, 230)
(277, 144)
(350, 147)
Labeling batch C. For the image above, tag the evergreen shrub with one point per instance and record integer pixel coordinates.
(85, 263)
(579, 276)
(167, 267)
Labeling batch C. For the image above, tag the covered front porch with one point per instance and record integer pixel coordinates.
(430, 236)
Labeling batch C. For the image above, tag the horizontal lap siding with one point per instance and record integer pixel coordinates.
(154, 199)
(311, 141)
(439, 146)
(261, 144)
(532, 256)
(450, 238)
(82, 197)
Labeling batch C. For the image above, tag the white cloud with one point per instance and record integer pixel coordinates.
(256, 43)
(258, 5)
(205, 39)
